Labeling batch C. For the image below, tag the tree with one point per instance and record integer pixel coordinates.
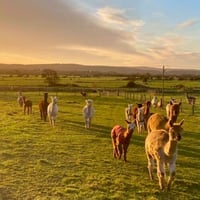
(51, 77)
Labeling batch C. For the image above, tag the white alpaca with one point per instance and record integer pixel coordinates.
(154, 101)
(88, 113)
(52, 110)
(129, 112)
(140, 119)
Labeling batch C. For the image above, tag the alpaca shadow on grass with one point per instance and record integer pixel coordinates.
(98, 129)
(104, 132)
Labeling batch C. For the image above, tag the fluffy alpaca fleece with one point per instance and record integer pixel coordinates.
(159, 121)
(52, 111)
(161, 146)
(121, 138)
(88, 113)
(43, 105)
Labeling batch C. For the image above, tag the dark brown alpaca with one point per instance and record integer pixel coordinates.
(121, 138)
(43, 107)
(84, 94)
(27, 105)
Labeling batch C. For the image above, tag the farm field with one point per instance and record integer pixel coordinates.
(71, 162)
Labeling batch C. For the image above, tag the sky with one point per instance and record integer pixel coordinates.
(101, 32)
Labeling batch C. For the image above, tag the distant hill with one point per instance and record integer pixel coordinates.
(95, 69)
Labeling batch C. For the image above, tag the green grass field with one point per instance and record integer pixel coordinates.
(69, 162)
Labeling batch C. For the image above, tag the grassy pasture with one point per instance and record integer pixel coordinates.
(70, 162)
(92, 82)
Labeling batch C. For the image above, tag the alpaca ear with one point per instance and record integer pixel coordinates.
(127, 121)
(181, 122)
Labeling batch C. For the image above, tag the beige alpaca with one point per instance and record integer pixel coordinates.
(161, 146)
(158, 121)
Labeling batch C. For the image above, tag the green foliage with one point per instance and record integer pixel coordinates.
(71, 162)
(51, 77)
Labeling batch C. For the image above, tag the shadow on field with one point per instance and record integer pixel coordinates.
(104, 132)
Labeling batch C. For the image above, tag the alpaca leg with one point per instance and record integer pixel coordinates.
(86, 123)
(115, 153)
(143, 127)
(89, 122)
(150, 166)
(125, 147)
(119, 149)
(172, 173)
(138, 127)
(50, 122)
(161, 174)
(25, 108)
(53, 122)
(44, 116)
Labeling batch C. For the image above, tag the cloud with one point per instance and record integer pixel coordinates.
(189, 23)
(118, 17)
(35, 25)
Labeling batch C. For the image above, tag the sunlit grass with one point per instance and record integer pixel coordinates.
(70, 162)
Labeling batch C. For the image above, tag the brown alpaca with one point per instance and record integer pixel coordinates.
(161, 146)
(121, 138)
(146, 112)
(43, 107)
(158, 121)
(84, 94)
(27, 104)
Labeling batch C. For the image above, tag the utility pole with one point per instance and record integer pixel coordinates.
(163, 83)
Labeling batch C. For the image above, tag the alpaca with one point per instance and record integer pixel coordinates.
(158, 121)
(27, 104)
(43, 107)
(88, 113)
(190, 99)
(121, 138)
(161, 145)
(154, 101)
(147, 113)
(144, 115)
(20, 99)
(84, 94)
(129, 112)
(172, 101)
(52, 111)
(140, 119)
(160, 103)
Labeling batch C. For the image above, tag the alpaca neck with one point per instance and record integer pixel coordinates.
(170, 147)
(128, 134)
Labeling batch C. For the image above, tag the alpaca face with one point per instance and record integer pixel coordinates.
(54, 99)
(131, 126)
(175, 131)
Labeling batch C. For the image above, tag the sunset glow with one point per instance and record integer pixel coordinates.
(98, 32)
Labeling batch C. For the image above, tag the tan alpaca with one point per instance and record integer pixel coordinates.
(161, 146)
(158, 121)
